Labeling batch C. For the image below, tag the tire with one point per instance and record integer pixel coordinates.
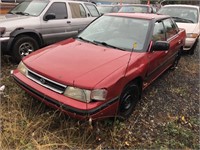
(191, 51)
(177, 59)
(128, 100)
(23, 46)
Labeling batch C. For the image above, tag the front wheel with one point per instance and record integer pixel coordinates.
(128, 100)
(23, 46)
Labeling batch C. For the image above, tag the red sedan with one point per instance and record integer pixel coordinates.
(102, 72)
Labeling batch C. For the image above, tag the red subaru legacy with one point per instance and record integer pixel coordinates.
(102, 72)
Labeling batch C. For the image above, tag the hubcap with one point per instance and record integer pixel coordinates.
(25, 49)
(126, 103)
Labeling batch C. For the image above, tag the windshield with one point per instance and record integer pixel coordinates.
(33, 8)
(137, 9)
(181, 14)
(104, 9)
(117, 32)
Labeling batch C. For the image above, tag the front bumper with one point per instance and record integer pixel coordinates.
(3, 39)
(189, 42)
(73, 108)
(4, 43)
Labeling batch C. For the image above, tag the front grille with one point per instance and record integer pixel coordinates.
(50, 84)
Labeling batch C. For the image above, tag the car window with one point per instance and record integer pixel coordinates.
(181, 14)
(139, 9)
(77, 10)
(158, 32)
(93, 10)
(33, 8)
(104, 9)
(125, 33)
(116, 9)
(59, 9)
(169, 28)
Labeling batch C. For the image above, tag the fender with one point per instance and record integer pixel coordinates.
(30, 32)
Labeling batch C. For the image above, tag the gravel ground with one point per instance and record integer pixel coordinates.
(166, 117)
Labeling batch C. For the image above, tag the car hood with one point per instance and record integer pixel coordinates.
(81, 64)
(10, 20)
(190, 28)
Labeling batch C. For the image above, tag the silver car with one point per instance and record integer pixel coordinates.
(36, 23)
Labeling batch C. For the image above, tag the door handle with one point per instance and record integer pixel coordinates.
(68, 21)
(179, 42)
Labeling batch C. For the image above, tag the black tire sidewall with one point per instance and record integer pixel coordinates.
(191, 51)
(130, 87)
(177, 59)
(20, 40)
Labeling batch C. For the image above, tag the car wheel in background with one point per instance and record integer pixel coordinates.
(128, 100)
(191, 51)
(23, 46)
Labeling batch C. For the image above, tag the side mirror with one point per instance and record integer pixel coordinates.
(49, 16)
(160, 46)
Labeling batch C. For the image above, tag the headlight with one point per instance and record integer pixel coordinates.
(99, 94)
(85, 95)
(2, 30)
(79, 94)
(192, 35)
(22, 68)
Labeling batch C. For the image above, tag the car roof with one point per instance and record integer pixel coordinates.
(181, 5)
(70, 1)
(136, 5)
(140, 15)
(108, 5)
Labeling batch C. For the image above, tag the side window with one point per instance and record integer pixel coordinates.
(169, 28)
(150, 10)
(59, 9)
(77, 10)
(116, 9)
(93, 10)
(158, 32)
(174, 25)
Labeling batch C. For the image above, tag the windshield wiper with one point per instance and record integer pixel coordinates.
(22, 13)
(182, 20)
(79, 37)
(108, 45)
